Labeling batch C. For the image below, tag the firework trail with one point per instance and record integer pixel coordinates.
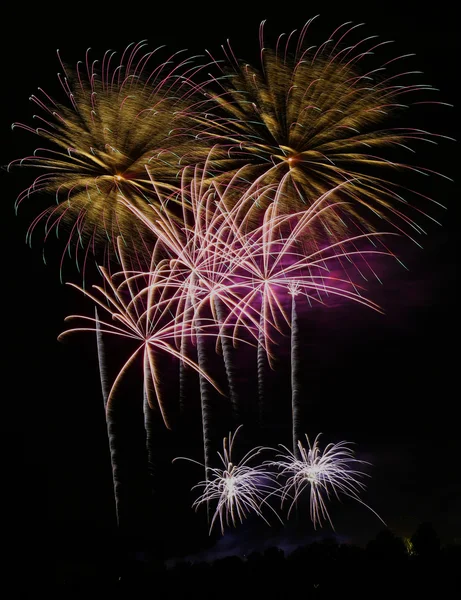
(205, 394)
(123, 123)
(295, 368)
(185, 350)
(325, 473)
(228, 356)
(315, 114)
(149, 419)
(109, 415)
(143, 313)
(261, 364)
(238, 488)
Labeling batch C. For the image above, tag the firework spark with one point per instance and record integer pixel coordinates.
(238, 488)
(325, 473)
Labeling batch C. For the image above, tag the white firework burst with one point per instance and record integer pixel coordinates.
(324, 473)
(238, 488)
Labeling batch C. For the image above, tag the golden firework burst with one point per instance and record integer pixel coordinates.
(313, 117)
(126, 131)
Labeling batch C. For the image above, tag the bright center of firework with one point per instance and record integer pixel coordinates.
(119, 177)
(292, 160)
(287, 155)
(230, 486)
(311, 474)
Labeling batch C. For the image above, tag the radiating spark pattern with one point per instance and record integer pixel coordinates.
(326, 473)
(213, 257)
(122, 120)
(315, 113)
(237, 488)
(275, 260)
(204, 248)
(142, 311)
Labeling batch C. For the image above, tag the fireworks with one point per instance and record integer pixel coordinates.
(273, 261)
(325, 473)
(123, 125)
(238, 488)
(143, 313)
(230, 205)
(242, 278)
(205, 249)
(313, 116)
(213, 259)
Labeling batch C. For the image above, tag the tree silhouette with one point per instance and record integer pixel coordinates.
(426, 542)
(387, 546)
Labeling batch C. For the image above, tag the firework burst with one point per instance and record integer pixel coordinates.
(124, 123)
(142, 311)
(213, 258)
(316, 114)
(204, 247)
(274, 261)
(238, 488)
(325, 473)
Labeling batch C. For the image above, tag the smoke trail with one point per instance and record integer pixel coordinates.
(227, 350)
(295, 387)
(110, 417)
(261, 363)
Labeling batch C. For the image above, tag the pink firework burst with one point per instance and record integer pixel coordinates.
(142, 310)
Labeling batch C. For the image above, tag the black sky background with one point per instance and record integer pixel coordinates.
(388, 383)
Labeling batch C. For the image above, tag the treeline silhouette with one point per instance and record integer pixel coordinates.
(324, 569)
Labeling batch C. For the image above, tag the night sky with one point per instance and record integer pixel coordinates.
(388, 383)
